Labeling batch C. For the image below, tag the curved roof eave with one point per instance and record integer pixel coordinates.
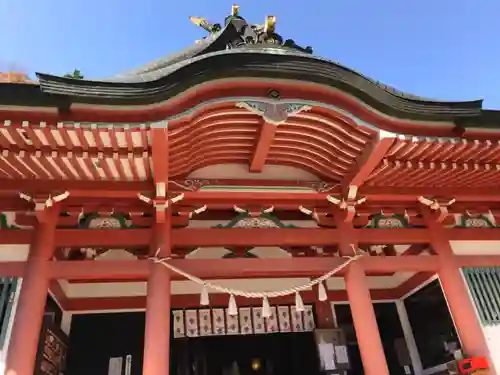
(259, 62)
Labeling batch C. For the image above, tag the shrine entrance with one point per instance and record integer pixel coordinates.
(271, 354)
(214, 342)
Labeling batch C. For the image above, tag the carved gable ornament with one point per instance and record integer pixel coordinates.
(245, 220)
(388, 222)
(476, 221)
(274, 112)
(96, 221)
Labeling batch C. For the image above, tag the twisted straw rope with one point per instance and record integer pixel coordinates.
(242, 293)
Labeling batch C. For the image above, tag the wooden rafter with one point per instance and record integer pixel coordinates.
(366, 163)
(262, 147)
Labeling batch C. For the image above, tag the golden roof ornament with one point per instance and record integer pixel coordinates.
(235, 10)
(243, 33)
(270, 25)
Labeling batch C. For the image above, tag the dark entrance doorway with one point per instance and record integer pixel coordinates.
(391, 334)
(267, 354)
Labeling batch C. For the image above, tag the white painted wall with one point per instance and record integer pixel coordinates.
(491, 333)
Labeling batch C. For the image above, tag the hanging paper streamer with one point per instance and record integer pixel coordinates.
(245, 315)
(233, 325)
(322, 296)
(219, 322)
(204, 299)
(266, 308)
(284, 318)
(205, 322)
(232, 308)
(297, 321)
(258, 320)
(299, 304)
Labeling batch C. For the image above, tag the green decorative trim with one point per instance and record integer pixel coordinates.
(384, 221)
(484, 287)
(481, 221)
(87, 220)
(244, 216)
(4, 224)
(3, 221)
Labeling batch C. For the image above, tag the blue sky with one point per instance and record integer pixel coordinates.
(445, 49)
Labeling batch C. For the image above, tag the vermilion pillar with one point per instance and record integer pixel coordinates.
(363, 314)
(28, 320)
(157, 332)
(365, 323)
(456, 292)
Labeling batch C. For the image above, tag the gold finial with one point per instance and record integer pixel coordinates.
(198, 21)
(270, 24)
(235, 10)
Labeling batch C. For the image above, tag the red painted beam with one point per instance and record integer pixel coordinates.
(265, 197)
(267, 132)
(12, 269)
(120, 190)
(235, 268)
(480, 234)
(400, 194)
(128, 269)
(284, 237)
(366, 163)
(116, 189)
(253, 237)
(159, 154)
(478, 261)
(186, 301)
(112, 238)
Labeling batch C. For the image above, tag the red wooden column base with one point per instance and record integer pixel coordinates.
(157, 331)
(28, 320)
(365, 323)
(461, 308)
(457, 295)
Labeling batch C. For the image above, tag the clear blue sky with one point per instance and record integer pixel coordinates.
(445, 49)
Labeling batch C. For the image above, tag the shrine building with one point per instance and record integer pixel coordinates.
(245, 207)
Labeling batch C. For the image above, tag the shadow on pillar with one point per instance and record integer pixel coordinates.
(391, 334)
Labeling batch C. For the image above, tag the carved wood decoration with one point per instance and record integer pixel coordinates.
(217, 322)
(51, 358)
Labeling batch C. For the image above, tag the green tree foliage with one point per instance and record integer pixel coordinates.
(75, 75)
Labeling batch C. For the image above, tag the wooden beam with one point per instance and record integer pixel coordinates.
(129, 189)
(238, 268)
(241, 268)
(478, 261)
(267, 132)
(159, 157)
(94, 189)
(106, 269)
(12, 269)
(186, 301)
(249, 198)
(409, 193)
(284, 237)
(367, 162)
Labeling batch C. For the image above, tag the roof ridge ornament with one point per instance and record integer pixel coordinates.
(244, 33)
